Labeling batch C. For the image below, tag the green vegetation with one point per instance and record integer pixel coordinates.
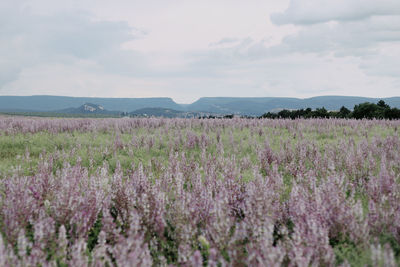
(365, 110)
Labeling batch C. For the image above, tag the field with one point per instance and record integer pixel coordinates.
(192, 192)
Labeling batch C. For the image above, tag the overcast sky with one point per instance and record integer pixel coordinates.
(186, 49)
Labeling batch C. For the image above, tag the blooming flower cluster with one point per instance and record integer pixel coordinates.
(193, 192)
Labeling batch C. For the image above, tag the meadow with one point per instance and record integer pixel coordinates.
(199, 192)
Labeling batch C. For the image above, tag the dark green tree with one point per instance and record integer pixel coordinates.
(365, 110)
(344, 112)
(383, 105)
(321, 113)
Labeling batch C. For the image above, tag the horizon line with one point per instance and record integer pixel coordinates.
(167, 97)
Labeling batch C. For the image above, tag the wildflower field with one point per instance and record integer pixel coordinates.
(193, 192)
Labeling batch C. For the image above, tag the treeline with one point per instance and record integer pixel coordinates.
(365, 110)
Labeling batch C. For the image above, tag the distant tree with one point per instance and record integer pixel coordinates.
(344, 112)
(229, 116)
(284, 114)
(308, 113)
(392, 114)
(269, 115)
(321, 113)
(365, 110)
(383, 105)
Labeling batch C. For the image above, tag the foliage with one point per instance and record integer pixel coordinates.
(362, 111)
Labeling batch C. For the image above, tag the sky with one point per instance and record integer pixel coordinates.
(187, 49)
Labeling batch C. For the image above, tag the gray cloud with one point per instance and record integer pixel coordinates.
(224, 41)
(327, 58)
(303, 12)
(28, 39)
(350, 38)
(359, 29)
(387, 64)
(342, 27)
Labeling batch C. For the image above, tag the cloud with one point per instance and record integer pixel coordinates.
(386, 64)
(360, 29)
(80, 78)
(225, 41)
(342, 57)
(191, 49)
(28, 39)
(303, 12)
(291, 75)
(342, 27)
(349, 38)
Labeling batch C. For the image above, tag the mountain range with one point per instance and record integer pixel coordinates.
(45, 103)
(88, 108)
(252, 106)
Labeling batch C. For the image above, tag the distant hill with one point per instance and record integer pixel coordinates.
(163, 112)
(166, 107)
(259, 105)
(88, 108)
(51, 103)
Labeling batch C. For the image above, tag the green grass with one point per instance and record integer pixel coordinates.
(94, 145)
